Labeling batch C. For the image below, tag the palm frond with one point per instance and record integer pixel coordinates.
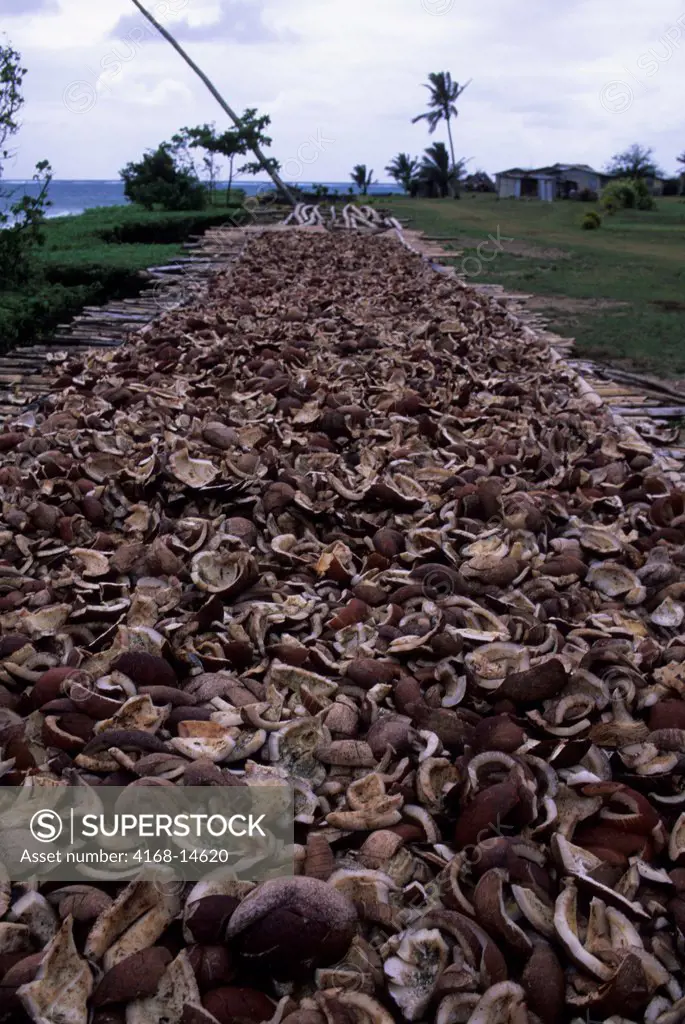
(361, 178)
(403, 169)
(444, 93)
(438, 172)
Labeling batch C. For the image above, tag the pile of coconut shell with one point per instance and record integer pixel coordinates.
(351, 217)
(347, 527)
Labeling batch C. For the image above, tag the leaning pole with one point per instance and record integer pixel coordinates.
(256, 148)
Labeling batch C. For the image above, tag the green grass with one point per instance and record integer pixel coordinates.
(92, 258)
(636, 258)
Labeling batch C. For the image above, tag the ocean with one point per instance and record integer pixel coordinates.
(72, 197)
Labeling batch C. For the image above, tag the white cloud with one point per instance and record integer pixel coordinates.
(550, 82)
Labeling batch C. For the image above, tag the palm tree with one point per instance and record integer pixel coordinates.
(438, 173)
(444, 93)
(266, 162)
(403, 170)
(361, 179)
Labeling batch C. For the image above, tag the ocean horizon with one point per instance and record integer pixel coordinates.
(70, 197)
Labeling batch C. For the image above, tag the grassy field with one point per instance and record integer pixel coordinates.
(619, 291)
(91, 258)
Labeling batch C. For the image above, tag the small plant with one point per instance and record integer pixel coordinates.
(591, 221)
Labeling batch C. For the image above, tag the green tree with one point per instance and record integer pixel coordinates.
(201, 137)
(21, 221)
(444, 94)
(438, 173)
(252, 138)
(635, 162)
(212, 168)
(161, 179)
(205, 137)
(361, 179)
(11, 99)
(404, 170)
(180, 149)
(231, 143)
(681, 160)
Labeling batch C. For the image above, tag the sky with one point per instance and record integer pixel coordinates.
(573, 82)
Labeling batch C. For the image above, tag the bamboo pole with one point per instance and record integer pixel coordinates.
(256, 149)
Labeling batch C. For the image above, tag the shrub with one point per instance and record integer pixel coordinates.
(238, 196)
(644, 200)
(619, 195)
(587, 195)
(164, 229)
(591, 221)
(627, 194)
(158, 180)
(21, 231)
(672, 187)
(22, 216)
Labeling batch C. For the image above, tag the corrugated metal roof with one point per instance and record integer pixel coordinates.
(555, 168)
(541, 172)
(576, 167)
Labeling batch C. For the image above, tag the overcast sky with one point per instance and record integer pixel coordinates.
(341, 79)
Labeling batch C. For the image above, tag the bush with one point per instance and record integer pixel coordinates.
(644, 198)
(627, 194)
(619, 195)
(157, 180)
(591, 221)
(587, 195)
(21, 220)
(672, 187)
(164, 230)
(92, 258)
(238, 196)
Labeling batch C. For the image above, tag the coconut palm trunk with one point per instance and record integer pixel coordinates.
(256, 148)
(449, 133)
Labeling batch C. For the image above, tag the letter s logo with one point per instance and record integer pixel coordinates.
(46, 826)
